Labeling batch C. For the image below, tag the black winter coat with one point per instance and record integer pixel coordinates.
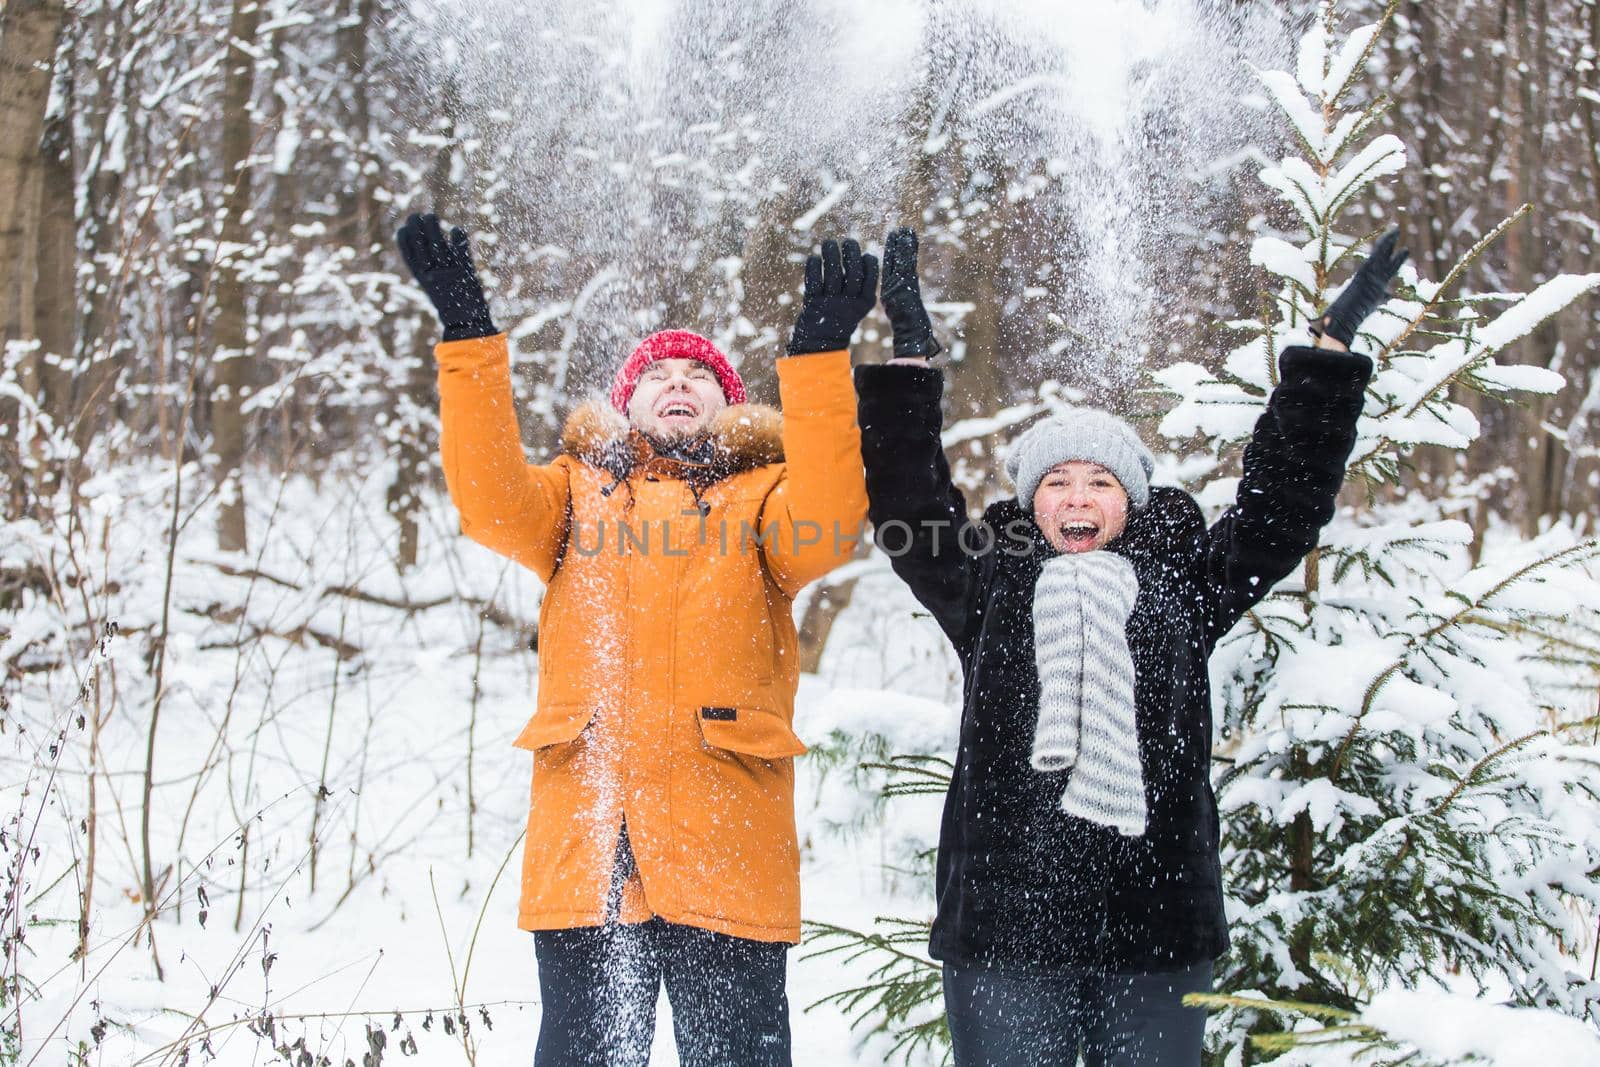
(1021, 884)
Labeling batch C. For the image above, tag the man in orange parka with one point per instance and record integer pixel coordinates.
(672, 534)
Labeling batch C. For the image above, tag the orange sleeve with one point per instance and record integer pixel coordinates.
(506, 504)
(817, 511)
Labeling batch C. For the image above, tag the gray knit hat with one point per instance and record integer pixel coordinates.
(1087, 434)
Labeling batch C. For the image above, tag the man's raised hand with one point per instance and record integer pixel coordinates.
(444, 269)
(841, 287)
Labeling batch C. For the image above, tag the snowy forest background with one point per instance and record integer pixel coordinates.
(259, 800)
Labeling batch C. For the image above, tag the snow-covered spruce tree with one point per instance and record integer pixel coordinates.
(1409, 795)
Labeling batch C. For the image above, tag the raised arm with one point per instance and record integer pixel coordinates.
(1294, 464)
(506, 504)
(1293, 470)
(811, 520)
(817, 511)
(912, 502)
(914, 506)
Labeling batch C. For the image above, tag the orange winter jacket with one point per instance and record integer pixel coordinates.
(668, 659)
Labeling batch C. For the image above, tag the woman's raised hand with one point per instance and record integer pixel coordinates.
(902, 298)
(1368, 289)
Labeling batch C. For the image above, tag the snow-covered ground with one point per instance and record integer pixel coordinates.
(314, 652)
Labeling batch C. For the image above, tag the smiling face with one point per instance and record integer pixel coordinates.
(675, 399)
(1080, 506)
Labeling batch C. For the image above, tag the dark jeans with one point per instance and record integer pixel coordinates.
(598, 987)
(1005, 1019)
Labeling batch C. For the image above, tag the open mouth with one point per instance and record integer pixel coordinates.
(1079, 535)
(678, 409)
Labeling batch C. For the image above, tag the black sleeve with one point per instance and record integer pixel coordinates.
(915, 509)
(1294, 467)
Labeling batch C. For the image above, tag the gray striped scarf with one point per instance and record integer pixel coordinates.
(1086, 711)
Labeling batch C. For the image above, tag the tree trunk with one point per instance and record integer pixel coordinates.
(109, 96)
(827, 603)
(1541, 452)
(413, 452)
(767, 277)
(232, 364)
(30, 31)
(66, 386)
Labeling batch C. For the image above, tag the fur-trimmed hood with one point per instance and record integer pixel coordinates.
(742, 436)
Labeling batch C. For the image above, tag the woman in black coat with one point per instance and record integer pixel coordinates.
(1078, 883)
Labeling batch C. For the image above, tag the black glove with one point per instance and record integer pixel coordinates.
(838, 295)
(902, 297)
(1368, 289)
(444, 270)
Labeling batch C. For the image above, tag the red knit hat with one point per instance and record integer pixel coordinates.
(674, 344)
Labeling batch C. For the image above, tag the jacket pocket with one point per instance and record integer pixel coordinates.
(749, 731)
(554, 725)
